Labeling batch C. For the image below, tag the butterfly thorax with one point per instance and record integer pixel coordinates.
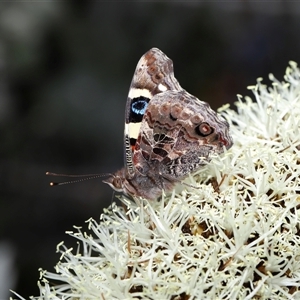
(148, 185)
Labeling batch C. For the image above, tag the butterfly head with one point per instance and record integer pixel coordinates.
(116, 180)
(119, 183)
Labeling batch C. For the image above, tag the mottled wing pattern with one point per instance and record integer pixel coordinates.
(153, 75)
(177, 135)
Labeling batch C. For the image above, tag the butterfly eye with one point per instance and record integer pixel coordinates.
(117, 183)
(204, 129)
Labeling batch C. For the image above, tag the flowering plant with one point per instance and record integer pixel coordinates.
(232, 233)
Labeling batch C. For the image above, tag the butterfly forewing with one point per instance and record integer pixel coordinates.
(153, 74)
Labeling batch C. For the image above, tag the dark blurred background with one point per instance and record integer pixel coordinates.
(65, 71)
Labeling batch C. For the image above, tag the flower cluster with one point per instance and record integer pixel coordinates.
(232, 233)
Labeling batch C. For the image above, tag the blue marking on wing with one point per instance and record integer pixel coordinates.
(139, 107)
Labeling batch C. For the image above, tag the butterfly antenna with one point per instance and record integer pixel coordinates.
(81, 178)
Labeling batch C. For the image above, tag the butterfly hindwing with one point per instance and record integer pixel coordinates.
(177, 135)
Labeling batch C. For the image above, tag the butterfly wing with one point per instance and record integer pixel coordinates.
(153, 75)
(168, 132)
(177, 135)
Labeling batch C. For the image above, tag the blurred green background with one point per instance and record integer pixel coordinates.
(65, 71)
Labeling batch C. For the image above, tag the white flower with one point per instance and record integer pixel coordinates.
(233, 233)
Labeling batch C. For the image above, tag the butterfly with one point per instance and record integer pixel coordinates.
(168, 132)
